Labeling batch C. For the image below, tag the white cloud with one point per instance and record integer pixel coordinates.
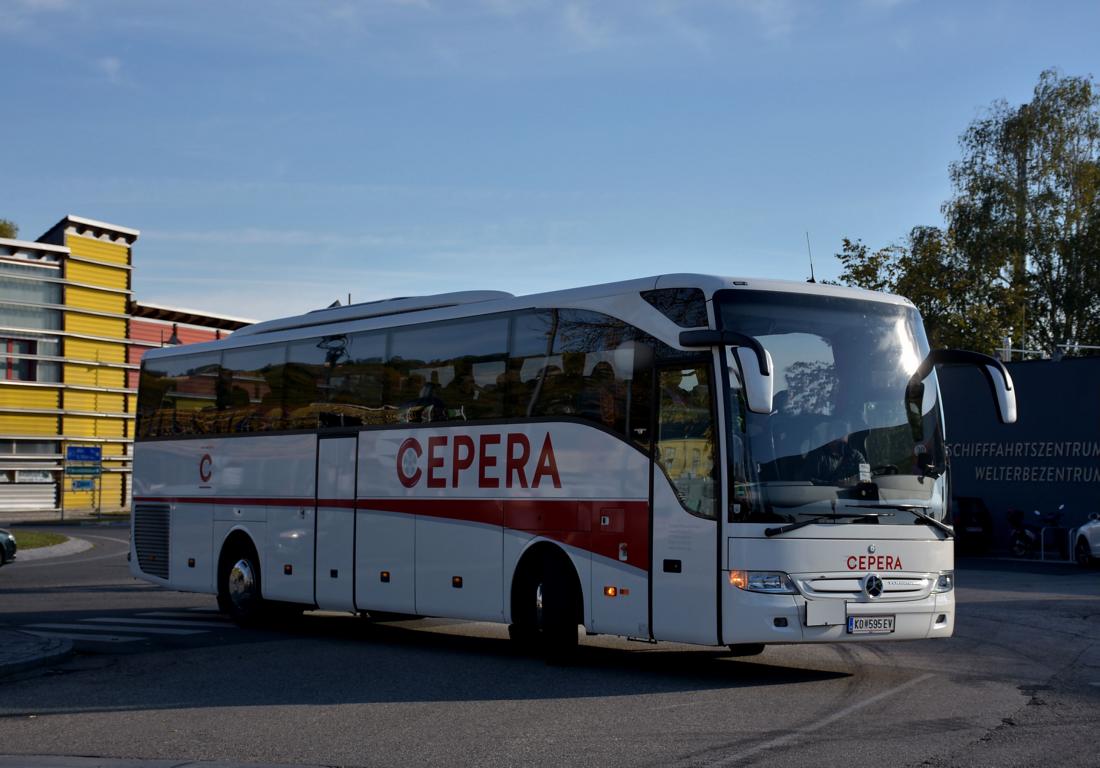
(251, 236)
(17, 15)
(776, 18)
(584, 29)
(111, 68)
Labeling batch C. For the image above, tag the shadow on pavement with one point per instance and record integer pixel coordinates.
(324, 660)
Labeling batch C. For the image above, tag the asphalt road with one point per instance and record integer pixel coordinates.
(1019, 685)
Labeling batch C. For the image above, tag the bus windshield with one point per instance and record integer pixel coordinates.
(838, 431)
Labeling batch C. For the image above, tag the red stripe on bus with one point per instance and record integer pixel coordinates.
(602, 527)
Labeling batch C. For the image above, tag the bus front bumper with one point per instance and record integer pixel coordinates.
(756, 617)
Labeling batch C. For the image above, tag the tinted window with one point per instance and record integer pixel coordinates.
(580, 364)
(564, 364)
(447, 371)
(685, 436)
(687, 307)
(252, 389)
(178, 396)
(337, 381)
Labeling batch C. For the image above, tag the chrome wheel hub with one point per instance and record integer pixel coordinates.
(242, 584)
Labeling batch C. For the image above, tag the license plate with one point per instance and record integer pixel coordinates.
(870, 625)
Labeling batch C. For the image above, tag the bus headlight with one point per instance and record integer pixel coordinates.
(945, 583)
(774, 582)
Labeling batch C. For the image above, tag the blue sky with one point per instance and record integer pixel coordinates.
(277, 155)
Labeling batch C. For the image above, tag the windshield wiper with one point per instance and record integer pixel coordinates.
(818, 517)
(916, 511)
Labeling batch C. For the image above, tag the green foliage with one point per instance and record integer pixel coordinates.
(1020, 252)
(8, 229)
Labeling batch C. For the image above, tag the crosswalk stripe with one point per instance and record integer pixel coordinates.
(187, 616)
(161, 622)
(118, 628)
(82, 636)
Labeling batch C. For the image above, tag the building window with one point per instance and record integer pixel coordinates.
(13, 365)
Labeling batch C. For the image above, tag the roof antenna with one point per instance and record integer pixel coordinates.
(811, 255)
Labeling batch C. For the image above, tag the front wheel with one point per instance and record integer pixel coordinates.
(556, 609)
(1082, 553)
(546, 611)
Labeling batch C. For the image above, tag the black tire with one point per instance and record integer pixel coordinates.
(240, 593)
(1082, 553)
(546, 609)
(746, 649)
(1019, 546)
(558, 622)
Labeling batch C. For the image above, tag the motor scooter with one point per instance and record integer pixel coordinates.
(1025, 540)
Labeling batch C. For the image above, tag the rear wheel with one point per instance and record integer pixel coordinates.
(239, 593)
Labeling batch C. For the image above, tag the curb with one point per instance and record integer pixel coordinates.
(71, 547)
(20, 651)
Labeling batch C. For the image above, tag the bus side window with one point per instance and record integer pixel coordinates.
(685, 436)
(447, 372)
(251, 390)
(177, 396)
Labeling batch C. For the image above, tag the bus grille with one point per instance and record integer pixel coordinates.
(151, 528)
(894, 587)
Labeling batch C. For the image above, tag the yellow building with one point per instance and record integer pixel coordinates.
(64, 317)
(71, 339)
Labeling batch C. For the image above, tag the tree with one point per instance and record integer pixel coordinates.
(1020, 251)
(1027, 200)
(8, 229)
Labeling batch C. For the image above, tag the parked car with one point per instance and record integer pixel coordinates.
(1086, 551)
(7, 546)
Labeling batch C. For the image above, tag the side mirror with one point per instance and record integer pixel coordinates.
(1094, 516)
(996, 375)
(750, 357)
(759, 381)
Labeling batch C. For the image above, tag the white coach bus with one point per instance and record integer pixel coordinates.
(685, 458)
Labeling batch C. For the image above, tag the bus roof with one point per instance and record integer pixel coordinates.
(426, 308)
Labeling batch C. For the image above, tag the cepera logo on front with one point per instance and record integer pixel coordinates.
(491, 460)
(874, 563)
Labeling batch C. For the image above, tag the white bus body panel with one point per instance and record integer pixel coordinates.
(334, 578)
(452, 549)
(476, 514)
(385, 542)
(192, 542)
(681, 598)
(263, 484)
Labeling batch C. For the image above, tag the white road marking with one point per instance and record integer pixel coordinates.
(805, 730)
(161, 622)
(79, 636)
(118, 628)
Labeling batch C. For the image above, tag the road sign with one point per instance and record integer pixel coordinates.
(83, 485)
(84, 453)
(89, 470)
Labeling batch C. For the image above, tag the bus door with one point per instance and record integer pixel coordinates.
(334, 576)
(685, 506)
